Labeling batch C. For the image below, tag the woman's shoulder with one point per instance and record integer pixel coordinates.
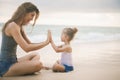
(12, 24)
(10, 28)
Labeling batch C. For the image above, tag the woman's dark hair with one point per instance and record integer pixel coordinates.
(20, 13)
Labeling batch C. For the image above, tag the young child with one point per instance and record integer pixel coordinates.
(65, 64)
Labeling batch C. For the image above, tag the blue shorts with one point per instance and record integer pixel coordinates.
(68, 68)
(5, 65)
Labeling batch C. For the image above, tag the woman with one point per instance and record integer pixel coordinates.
(12, 35)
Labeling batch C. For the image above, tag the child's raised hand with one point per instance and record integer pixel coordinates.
(48, 36)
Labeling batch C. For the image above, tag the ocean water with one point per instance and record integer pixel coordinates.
(85, 34)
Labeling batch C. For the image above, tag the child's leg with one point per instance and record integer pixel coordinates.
(58, 67)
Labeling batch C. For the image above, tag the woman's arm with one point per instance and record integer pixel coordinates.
(14, 31)
(24, 36)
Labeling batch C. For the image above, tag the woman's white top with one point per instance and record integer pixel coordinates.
(66, 58)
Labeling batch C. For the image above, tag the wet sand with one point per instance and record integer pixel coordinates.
(92, 61)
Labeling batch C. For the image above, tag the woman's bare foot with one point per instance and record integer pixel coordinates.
(46, 68)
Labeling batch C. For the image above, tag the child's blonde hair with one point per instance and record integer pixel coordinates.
(70, 32)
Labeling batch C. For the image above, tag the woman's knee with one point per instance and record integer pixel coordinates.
(38, 66)
(34, 53)
(35, 56)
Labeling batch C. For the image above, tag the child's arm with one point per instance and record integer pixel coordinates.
(59, 48)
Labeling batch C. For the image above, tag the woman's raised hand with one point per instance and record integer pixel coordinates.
(48, 36)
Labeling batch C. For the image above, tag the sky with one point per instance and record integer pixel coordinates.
(69, 12)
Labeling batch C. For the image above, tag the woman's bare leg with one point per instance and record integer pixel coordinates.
(25, 67)
(31, 56)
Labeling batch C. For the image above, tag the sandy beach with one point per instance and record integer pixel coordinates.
(92, 61)
(95, 46)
